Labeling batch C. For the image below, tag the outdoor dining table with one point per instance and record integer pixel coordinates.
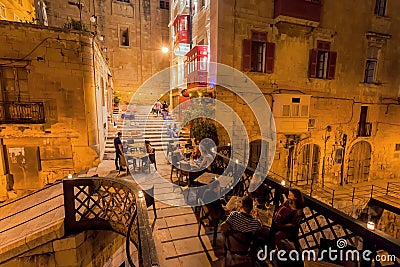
(208, 177)
(137, 156)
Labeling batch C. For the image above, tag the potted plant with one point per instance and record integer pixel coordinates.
(116, 101)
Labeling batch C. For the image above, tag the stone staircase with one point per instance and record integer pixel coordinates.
(149, 126)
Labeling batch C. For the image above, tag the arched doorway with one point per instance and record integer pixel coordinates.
(359, 162)
(308, 164)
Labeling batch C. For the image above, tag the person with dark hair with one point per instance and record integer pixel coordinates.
(217, 210)
(286, 221)
(118, 152)
(206, 156)
(242, 220)
(149, 148)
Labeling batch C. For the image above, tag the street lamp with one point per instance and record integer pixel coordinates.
(328, 129)
(164, 49)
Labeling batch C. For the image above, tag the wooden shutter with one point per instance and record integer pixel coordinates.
(332, 65)
(246, 56)
(270, 58)
(312, 71)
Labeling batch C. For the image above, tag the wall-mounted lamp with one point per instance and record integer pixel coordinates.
(371, 226)
(70, 176)
(93, 19)
(140, 194)
(283, 183)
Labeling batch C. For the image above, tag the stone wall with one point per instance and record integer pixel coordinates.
(60, 71)
(336, 102)
(147, 26)
(91, 248)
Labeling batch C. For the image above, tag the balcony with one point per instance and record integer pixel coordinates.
(364, 129)
(197, 78)
(196, 67)
(22, 112)
(308, 10)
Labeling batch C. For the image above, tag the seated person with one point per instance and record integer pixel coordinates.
(175, 129)
(258, 190)
(207, 158)
(242, 220)
(149, 148)
(196, 154)
(171, 132)
(285, 223)
(217, 210)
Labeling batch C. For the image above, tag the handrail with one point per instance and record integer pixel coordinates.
(336, 222)
(95, 203)
(30, 194)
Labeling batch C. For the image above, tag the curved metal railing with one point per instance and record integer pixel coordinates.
(110, 204)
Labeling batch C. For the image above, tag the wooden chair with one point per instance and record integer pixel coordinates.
(240, 244)
(185, 171)
(205, 214)
(175, 166)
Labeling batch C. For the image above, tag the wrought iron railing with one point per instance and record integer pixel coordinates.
(109, 204)
(322, 221)
(22, 112)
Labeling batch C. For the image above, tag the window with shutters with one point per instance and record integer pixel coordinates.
(322, 61)
(371, 64)
(380, 8)
(258, 54)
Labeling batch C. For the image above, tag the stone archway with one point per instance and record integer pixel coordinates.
(308, 164)
(359, 162)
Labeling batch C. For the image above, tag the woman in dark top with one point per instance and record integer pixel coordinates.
(286, 221)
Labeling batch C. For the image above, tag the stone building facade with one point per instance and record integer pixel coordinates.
(329, 73)
(17, 10)
(132, 33)
(55, 91)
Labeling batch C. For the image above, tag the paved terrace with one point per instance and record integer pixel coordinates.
(175, 229)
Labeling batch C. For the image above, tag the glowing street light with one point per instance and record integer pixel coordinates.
(164, 49)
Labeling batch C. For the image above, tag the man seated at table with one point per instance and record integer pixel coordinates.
(216, 208)
(241, 220)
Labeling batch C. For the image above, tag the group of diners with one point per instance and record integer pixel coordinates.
(279, 233)
(145, 153)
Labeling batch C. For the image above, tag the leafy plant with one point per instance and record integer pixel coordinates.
(204, 128)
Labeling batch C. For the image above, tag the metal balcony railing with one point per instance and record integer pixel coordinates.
(364, 129)
(22, 112)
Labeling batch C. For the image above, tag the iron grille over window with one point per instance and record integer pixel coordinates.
(22, 112)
